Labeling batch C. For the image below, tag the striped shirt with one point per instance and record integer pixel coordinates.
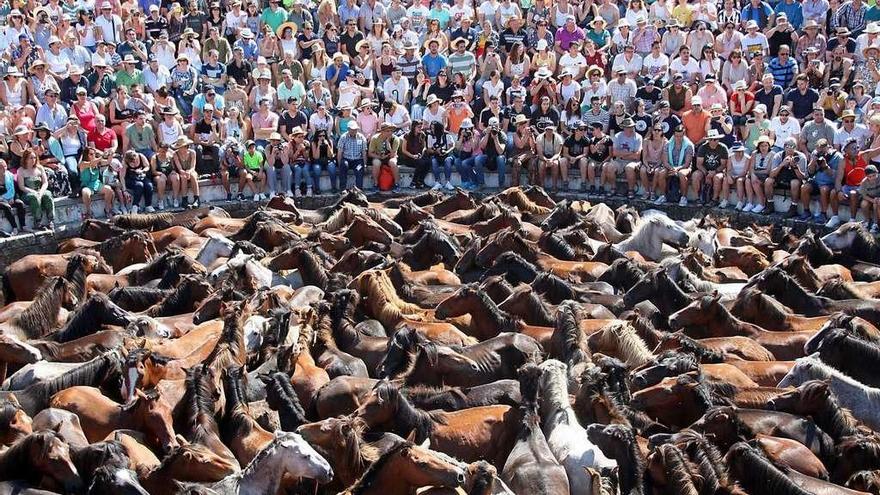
(783, 74)
(464, 63)
(849, 17)
(352, 148)
(409, 68)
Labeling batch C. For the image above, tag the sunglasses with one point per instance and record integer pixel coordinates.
(848, 121)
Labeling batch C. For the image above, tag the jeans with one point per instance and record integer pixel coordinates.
(7, 207)
(447, 168)
(148, 153)
(272, 178)
(500, 167)
(465, 167)
(357, 166)
(71, 163)
(139, 186)
(330, 165)
(184, 102)
(302, 172)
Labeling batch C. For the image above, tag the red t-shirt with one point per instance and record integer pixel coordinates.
(102, 140)
(735, 102)
(853, 173)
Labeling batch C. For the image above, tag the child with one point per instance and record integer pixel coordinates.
(869, 189)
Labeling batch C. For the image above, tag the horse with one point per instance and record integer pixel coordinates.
(42, 315)
(567, 439)
(841, 350)
(403, 469)
(817, 400)
(659, 288)
(863, 401)
(127, 248)
(752, 469)
(24, 277)
(779, 284)
(531, 466)
(620, 443)
(651, 233)
(754, 306)
(41, 458)
(854, 239)
(239, 429)
(490, 430)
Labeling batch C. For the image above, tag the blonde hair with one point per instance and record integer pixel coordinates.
(325, 4)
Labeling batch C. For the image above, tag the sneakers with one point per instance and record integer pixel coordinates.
(660, 199)
(134, 209)
(449, 186)
(748, 208)
(833, 222)
(723, 204)
(739, 206)
(240, 197)
(271, 195)
(758, 209)
(196, 203)
(683, 201)
(297, 193)
(437, 186)
(176, 203)
(792, 211)
(150, 209)
(184, 202)
(309, 192)
(804, 216)
(161, 206)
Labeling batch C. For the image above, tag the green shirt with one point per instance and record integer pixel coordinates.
(140, 139)
(274, 17)
(253, 162)
(123, 78)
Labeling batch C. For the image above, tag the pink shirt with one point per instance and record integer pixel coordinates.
(711, 97)
(368, 123)
(269, 122)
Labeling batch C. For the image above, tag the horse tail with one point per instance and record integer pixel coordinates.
(7, 295)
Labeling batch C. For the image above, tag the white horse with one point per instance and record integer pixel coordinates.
(863, 401)
(263, 276)
(254, 328)
(288, 454)
(63, 422)
(216, 247)
(653, 231)
(567, 438)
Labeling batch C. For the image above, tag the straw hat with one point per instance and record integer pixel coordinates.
(297, 131)
(282, 27)
(519, 119)
(763, 139)
(275, 136)
(21, 131)
(431, 100)
(713, 134)
(182, 142)
(387, 126)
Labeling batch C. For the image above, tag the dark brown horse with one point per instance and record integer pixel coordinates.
(42, 459)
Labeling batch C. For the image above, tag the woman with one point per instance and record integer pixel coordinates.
(523, 152)
(709, 62)
(673, 39)
(859, 101)
(252, 21)
(176, 24)
(86, 30)
(85, 110)
(660, 10)
(683, 13)
(299, 161)
(420, 95)
(467, 147)
(40, 82)
(137, 177)
(21, 142)
(162, 170)
(595, 85)
(170, 129)
(215, 16)
(233, 126)
(814, 67)
(759, 169)
(184, 85)
(439, 148)
(634, 10)
(120, 114)
(323, 158)
(413, 153)
(364, 60)
(543, 58)
(729, 41)
(164, 50)
(571, 116)
(52, 160)
(14, 92)
(184, 161)
(72, 141)
(734, 70)
(9, 204)
(540, 33)
(460, 84)
(654, 164)
(618, 115)
(341, 122)
(705, 12)
(91, 184)
(737, 173)
(756, 127)
(316, 66)
(517, 63)
(189, 45)
(327, 15)
(494, 87)
(434, 33)
(34, 184)
(377, 35)
(385, 63)
(621, 38)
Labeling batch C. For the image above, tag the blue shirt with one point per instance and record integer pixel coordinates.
(802, 104)
(249, 47)
(759, 15)
(794, 11)
(331, 71)
(9, 187)
(434, 64)
(347, 13)
(783, 74)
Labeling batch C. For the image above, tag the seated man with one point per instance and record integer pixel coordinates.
(849, 178)
(599, 154)
(788, 169)
(382, 150)
(821, 174)
(712, 158)
(870, 192)
(574, 154)
(626, 158)
(549, 146)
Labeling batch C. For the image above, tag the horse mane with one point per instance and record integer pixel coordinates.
(513, 266)
(109, 454)
(179, 299)
(678, 474)
(144, 221)
(311, 269)
(632, 465)
(410, 344)
(691, 346)
(707, 458)
(838, 420)
(76, 274)
(624, 337)
(837, 288)
(838, 340)
(550, 284)
(371, 475)
(758, 473)
(238, 421)
(42, 315)
(431, 398)
(573, 345)
(82, 321)
(114, 230)
(505, 321)
(516, 197)
(864, 246)
(230, 349)
(115, 243)
(198, 400)
(137, 296)
(557, 246)
(408, 418)
(482, 212)
(379, 291)
(282, 397)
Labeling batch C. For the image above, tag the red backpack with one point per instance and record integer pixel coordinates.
(386, 178)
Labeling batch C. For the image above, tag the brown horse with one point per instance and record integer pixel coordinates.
(791, 454)
(510, 240)
(469, 435)
(42, 459)
(756, 307)
(25, 276)
(41, 316)
(100, 415)
(239, 430)
(15, 424)
(405, 468)
(340, 440)
(815, 399)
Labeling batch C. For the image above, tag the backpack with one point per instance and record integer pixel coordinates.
(386, 178)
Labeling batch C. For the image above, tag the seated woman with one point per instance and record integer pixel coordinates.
(8, 201)
(34, 186)
(138, 180)
(49, 153)
(412, 154)
(549, 151)
(252, 174)
(324, 158)
(185, 165)
(72, 141)
(299, 161)
(91, 182)
(439, 149)
(230, 165)
(162, 170)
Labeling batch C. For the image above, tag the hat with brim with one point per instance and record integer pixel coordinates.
(595, 69)
(353, 125)
(182, 142)
(189, 32)
(811, 24)
(713, 134)
(597, 20)
(512, 18)
(784, 109)
(129, 59)
(622, 23)
(409, 45)
(673, 22)
(387, 126)
(869, 48)
(21, 131)
(456, 41)
(431, 100)
(843, 31)
(360, 44)
(275, 136)
(740, 84)
(751, 24)
(99, 63)
(716, 106)
(737, 146)
(543, 72)
(13, 72)
(183, 56)
(53, 40)
(467, 124)
(848, 114)
(627, 122)
(763, 139)
(246, 33)
(169, 111)
(520, 119)
(872, 28)
(282, 27)
(36, 63)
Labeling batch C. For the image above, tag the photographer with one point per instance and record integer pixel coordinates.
(493, 145)
(324, 157)
(299, 161)
(413, 154)
(849, 176)
(789, 169)
(466, 146)
(549, 154)
(206, 132)
(278, 156)
(574, 153)
(351, 155)
(821, 176)
(522, 153)
(439, 148)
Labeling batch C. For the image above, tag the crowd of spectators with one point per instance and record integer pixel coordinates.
(729, 104)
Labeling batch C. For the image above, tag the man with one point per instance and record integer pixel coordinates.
(568, 33)
(680, 153)
(573, 61)
(409, 62)
(549, 145)
(434, 61)
(462, 61)
(696, 121)
(335, 74)
(679, 96)
(134, 47)
(793, 11)
(155, 23)
(291, 117)
(816, 130)
(274, 15)
(628, 61)
(217, 43)
(129, 75)
(651, 93)
(575, 149)
(784, 67)
(626, 158)
(833, 100)
(802, 98)
(783, 127)
(109, 23)
(78, 55)
(71, 85)
(599, 154)
(140, 137)
(52, 113)
(103, 138)
(465, 31)
(849, 177)
(712, 93)
(195, 19)
(213, 72)
(248, 46)
(849, 129)
(843, 39)
(712, 157)
(102, 83)
(769, 95)
(156, 75)
(756, 11)
(821, 177)
(351, 155)
(277, 163)
(298, 15)
(851, 15)
(621, 89)
(667, 120)
(493, 143)
(396, 87)
(514, 33)
(789, 170)
(206, 134)
(264, 122)
(870, 192)
(596, 113)
(382, 150)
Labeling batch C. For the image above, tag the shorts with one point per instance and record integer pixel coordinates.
(785, 177)
(621, 165)
(849, 189)
(94, 186)
(651, 168)
(818, 184)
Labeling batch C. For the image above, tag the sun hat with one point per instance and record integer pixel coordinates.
(285, 25)
(737, 146)
(182, 142)
(542, 44)
(696, 100)
(519, 119)
(847, 114)
(763, 139)
(627, 122)
(740, 84)
(246, 33)
(716, 106)
(387, 126)
(713, 134)
(872, 28)
(353, 125)
(21, 131)
(467, 124)
(432, 98)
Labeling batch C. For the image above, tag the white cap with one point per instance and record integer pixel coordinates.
(696, 100)
(494, 121)
(542, 44)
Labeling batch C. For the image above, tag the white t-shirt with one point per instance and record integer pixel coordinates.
(687, 69)
(657, 67)
(459, 12)
(567, 61)
(755, 44)
(112, 27)
(488, 9)
(491, 89)
(860, 132)
(396, 91)
(632, 65)
(418, 15)
(430, 118)
(57, 63)
(784, 131)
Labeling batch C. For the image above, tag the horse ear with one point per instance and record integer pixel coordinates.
(411, 437)
(425, 444)
(716, 296)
